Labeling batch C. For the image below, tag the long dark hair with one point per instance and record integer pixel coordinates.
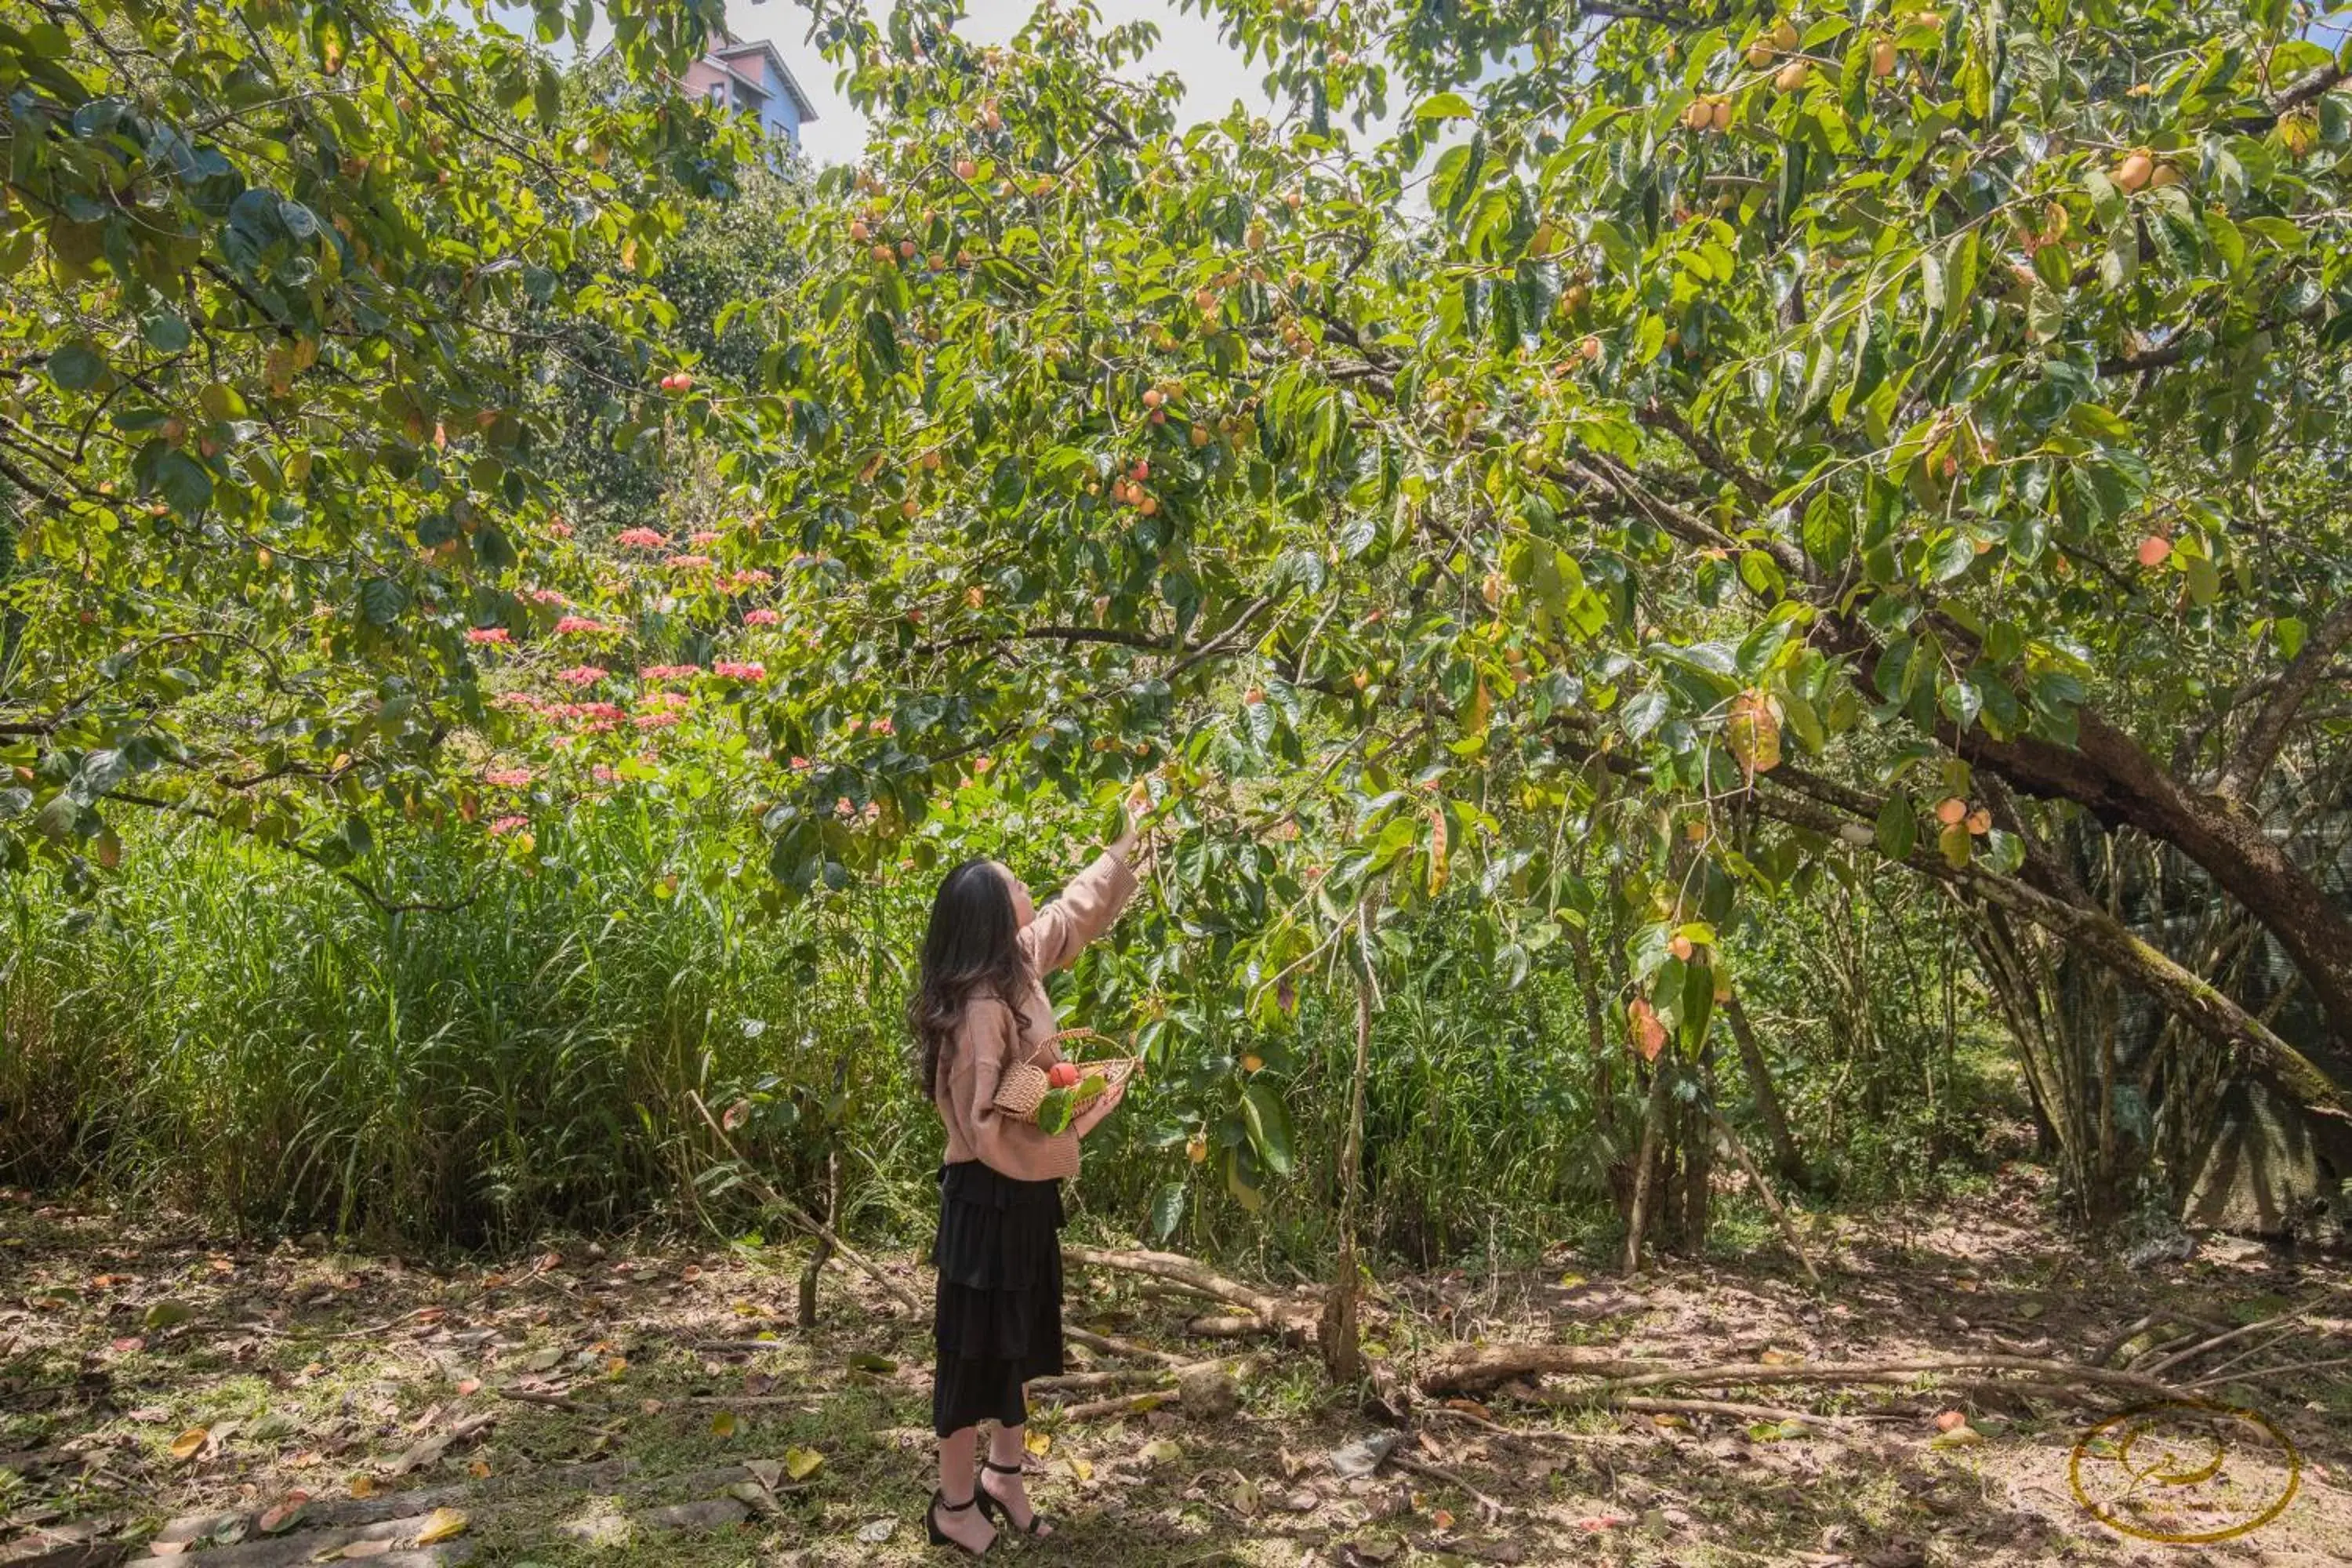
(973, 949)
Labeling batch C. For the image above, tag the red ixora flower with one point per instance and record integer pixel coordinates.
(669, 672)
(750, 577)
(640, 539)
(602, 773)
(702, 536)
(687, 562)
(507, 778)
(763, 616)
(665, 701)
(662, 720)
(883, 727)
(571, 625)
(559, 529)
(546, 596)
(503, 825)
(730, 669)
(581, 676)
(490, 637)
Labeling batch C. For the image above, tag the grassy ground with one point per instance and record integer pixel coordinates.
(148, 1374)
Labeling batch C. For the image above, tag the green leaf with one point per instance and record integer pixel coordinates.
(185, 484)
(1269, 1126)
(1444, 106)
(77, 367)
(1898, 828)
(1167, 1211)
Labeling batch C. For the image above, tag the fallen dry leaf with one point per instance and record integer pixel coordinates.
(443, 1524)
(800, 1464)
(191, 1443)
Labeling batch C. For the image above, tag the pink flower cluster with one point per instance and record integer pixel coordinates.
(703, 536)
(640, 539)
(687, 562)
(490, 637)
(581, 625)
(507, 778)
(669, 672)
(728, 669)
(750, 577)
(547, 596)
(603, 774)
(559, 529)
(581, 676)
(763, 616)
(663, 720)
(665, 701)
(590, 718)
(505, 824)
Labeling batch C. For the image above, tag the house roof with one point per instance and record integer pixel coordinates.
(730, 50)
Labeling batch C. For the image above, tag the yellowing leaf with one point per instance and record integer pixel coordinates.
(1081, 1469)
(479, 1469)
(191, 1443)
(800, 1464)
(1781, 1358)
(1160, 1451)
(1038, 1442)
(1753, 732)
(364, 1486)
(443, 1524)
(723, 1424)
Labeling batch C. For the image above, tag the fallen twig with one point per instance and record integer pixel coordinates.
(1771, 1200)
(1472, 1368)
(1108, 1345)
(2252, 1374)
(1731, 1409)
(1125, 1405)
(2217, 1340)
(533, 1396)
(1195, 1276)
(799, 1217)
(1493, 1510)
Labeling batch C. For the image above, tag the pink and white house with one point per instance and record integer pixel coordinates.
(750, 77)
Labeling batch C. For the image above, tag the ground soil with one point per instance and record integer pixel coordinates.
(630, 1403)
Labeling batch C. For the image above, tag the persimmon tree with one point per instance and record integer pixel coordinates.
(1699, 448)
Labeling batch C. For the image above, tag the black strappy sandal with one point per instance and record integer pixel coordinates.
(994, 1505)
(939, 1501)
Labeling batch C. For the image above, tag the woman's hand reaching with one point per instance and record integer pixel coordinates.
(1138, 813)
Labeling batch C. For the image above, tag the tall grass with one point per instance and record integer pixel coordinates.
(228, 1030)
(235, 1032)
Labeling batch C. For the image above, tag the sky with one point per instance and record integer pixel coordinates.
(1213, 74)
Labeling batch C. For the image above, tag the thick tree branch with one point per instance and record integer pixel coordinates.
(2304, 671)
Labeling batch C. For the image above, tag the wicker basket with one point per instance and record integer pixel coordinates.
(1023, 1086)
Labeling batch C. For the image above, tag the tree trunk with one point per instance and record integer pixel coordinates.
(822, 1254)
(2094, 932)
(2108, 773)
(1343, 1358)
(1787, 1161)
(1654, 1127)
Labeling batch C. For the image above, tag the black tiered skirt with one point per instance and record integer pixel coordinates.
(999, 1311)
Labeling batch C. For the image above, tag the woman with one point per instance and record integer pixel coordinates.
(981, 1007)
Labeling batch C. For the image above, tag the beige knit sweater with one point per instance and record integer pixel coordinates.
(990, 1038)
